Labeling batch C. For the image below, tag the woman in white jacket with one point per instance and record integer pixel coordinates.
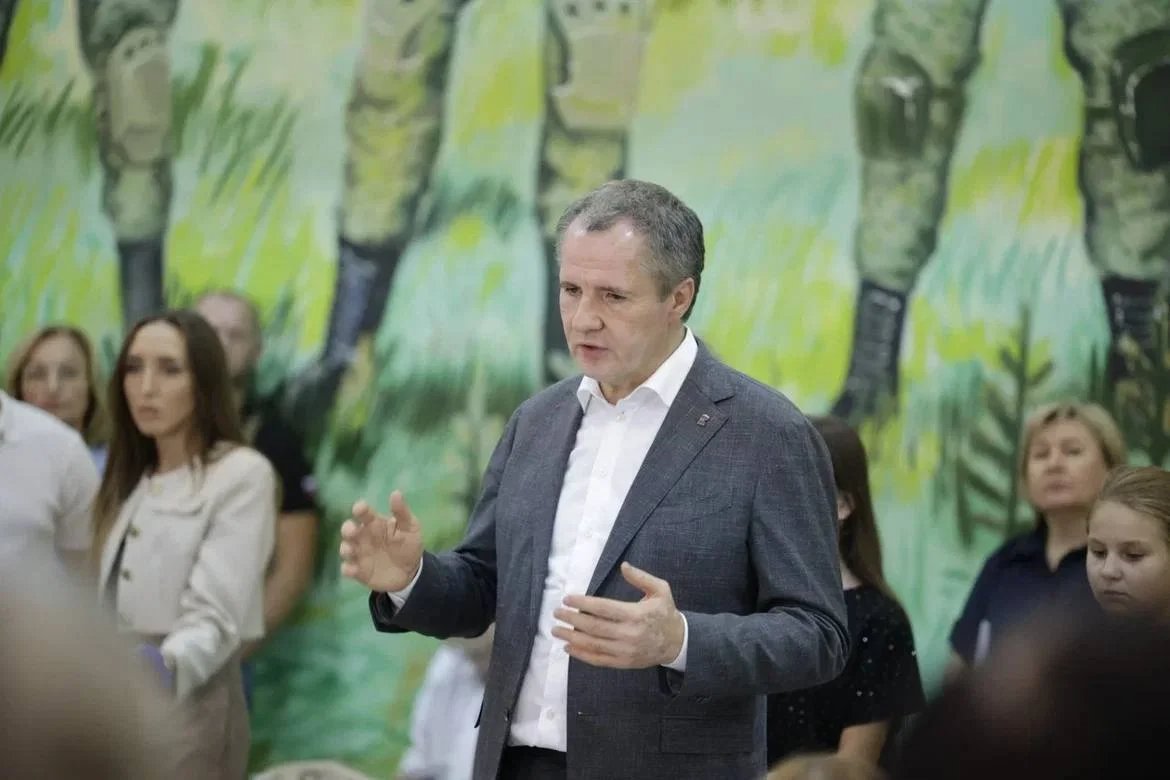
(184, 524)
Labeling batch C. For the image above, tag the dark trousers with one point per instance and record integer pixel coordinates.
(529, 763)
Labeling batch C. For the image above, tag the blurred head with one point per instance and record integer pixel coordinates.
(857, 534)
(236, 321)
(1129, 543)
(824, 766)
(1059, 701)
(170, 381)
(1068, 448)
(73, 708)
(631, 258)
(54, 370)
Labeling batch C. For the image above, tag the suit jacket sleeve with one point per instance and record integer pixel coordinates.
(798, 636)
(456, 591)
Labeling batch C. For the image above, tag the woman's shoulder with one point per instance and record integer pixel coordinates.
(228, 459)
(873, 606)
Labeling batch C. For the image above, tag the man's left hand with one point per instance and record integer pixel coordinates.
(620, 634)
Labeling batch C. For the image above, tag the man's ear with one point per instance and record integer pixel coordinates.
(682, 296)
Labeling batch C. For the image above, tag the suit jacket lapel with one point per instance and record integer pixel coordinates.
(545, 488)
(691, 422)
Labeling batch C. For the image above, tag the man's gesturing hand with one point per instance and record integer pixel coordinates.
(379, 551)
(620, 634)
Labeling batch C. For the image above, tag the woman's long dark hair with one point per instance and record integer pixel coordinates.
(857, 541)
(215, 418)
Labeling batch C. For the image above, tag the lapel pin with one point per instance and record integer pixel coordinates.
(703, 419)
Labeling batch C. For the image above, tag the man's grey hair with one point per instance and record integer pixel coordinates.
(672, 231)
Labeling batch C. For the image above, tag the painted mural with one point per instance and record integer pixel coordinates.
(924, 216)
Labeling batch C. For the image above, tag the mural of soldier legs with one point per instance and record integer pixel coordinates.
(593, 54)
(593, 58)
(124, 43)
(393, 123)
(1121, 51)
(909, 105)
(7, 12)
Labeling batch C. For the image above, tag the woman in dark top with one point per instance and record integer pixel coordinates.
(857, 714)
(1066, 452)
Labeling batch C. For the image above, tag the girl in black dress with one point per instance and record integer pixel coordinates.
(857, 714)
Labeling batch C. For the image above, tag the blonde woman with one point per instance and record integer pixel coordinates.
(1067, 450)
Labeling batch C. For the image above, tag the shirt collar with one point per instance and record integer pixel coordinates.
(665, 382)
(1032, 546)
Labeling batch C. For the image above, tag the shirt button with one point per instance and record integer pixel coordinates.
(125, 574)
(549, 715)
(133, 532)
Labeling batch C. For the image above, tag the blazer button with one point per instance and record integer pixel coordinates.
(507, 716)
(125, 574)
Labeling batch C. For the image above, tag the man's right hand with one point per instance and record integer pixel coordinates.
(381, 552)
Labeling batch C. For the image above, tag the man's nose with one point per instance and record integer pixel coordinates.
(585, 316)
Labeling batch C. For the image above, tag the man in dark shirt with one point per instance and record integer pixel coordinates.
(235, 319)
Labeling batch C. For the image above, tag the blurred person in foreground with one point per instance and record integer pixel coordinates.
(76, 703)
(1072, 699)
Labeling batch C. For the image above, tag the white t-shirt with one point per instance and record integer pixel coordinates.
(442, 728)
(47, 486)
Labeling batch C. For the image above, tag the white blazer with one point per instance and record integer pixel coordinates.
(197, 545)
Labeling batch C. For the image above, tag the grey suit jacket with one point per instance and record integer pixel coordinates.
(734, 506)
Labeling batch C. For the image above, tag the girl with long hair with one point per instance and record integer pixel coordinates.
(857, 715)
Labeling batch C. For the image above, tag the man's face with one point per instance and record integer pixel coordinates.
(237, 332)
(618, 326)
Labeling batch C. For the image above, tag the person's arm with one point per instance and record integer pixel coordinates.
(797, 636)
(228, 575)
(971, 634)
(864, 742)
(885, 669)
(291, 574)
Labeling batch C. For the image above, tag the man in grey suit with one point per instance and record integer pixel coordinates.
(655, 540)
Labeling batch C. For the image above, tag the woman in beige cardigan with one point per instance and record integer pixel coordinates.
(184, 525)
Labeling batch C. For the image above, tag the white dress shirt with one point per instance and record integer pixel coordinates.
(612, 441)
